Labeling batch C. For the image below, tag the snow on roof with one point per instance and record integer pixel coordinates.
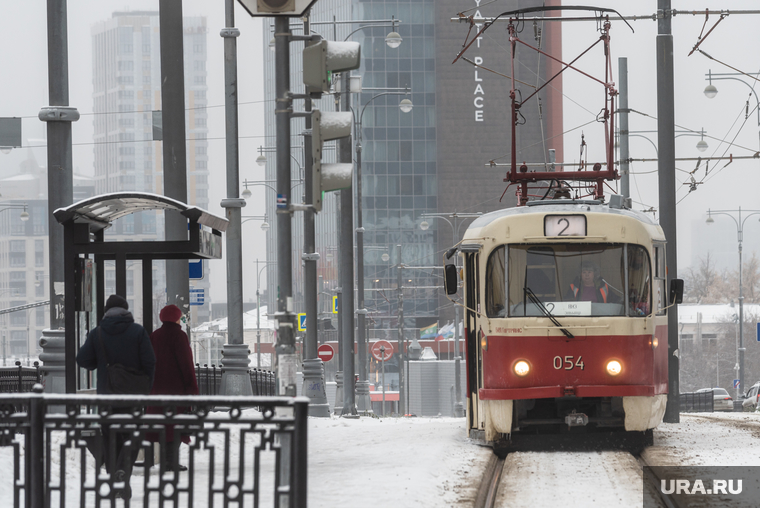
(714, 313)
(20, 178)
(249, 322)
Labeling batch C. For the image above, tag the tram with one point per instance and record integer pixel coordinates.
(565, 299)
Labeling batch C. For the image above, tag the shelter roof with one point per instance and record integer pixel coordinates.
(100, 211)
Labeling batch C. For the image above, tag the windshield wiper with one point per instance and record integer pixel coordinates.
(535, 301)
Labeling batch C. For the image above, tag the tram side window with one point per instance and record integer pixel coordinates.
(639, 288)
(496, 284)
(660, 296)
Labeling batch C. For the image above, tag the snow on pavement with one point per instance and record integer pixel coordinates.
(392, 462)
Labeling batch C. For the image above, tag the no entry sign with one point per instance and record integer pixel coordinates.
(386, 355)
(325, 352)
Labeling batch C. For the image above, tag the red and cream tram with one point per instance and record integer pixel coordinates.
(565, 317)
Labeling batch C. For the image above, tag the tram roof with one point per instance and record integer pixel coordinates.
(562, 206)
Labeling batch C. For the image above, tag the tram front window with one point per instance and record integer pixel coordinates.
(569, 280)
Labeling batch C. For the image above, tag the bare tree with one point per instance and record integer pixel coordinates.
(705, 284)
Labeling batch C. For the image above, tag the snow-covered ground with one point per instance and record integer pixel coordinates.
(429, 462)
(423, 462)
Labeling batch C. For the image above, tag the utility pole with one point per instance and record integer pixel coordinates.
(174, 150)
(399, 282)
(58, 115)
(235, 377)
(624, 131)
(346, 251)
(313, 368)
(286, 357)
(667, 188)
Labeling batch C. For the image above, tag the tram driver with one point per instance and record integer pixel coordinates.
(589, 286)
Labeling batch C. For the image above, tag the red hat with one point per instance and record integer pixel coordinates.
(170, 314)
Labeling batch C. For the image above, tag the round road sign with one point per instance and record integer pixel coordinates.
(325, 352)
(385, 355)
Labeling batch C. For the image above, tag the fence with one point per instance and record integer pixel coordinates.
(701, 402)
(210, 380)
(18, 378)
(241, 457)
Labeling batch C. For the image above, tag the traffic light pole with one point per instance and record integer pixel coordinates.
(346, 250)
(285, 348)
(313, 369)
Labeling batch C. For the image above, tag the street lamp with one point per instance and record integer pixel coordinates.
(425, 225)
(361, 311)
(711, 90)
(24, 215)
(740, 236)
(264, 224)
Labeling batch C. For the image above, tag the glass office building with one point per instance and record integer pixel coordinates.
(430, 160)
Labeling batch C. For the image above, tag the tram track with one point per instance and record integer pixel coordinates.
(618, 466)
(489, 485)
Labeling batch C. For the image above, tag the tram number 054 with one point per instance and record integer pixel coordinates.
(567, 362)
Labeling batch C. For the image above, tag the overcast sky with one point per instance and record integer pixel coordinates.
(23, 91)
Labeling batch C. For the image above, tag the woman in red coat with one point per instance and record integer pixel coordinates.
(175, 372)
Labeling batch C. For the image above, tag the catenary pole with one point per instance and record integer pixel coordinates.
(174, 151)
(623, 109)
(667, 188)
(286, 357)
(235, 352)
(58, 116)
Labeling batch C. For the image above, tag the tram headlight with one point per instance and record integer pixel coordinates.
(654, 342)
(614, 368)
(522, 368)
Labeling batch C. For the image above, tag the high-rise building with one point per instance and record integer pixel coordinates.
(430, 160)
(126, 93)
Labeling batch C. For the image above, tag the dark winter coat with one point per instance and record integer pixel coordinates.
(124, 341)
(175, 372)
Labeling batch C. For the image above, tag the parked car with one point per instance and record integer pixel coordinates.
(750, 401)
(722, 401)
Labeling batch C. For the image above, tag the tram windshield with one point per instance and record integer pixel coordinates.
(569, 280)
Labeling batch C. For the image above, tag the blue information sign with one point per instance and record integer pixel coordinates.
(195, 268)
(197, 296)
(335, 304)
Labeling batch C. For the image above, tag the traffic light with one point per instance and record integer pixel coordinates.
(322, 59)
(328, 177)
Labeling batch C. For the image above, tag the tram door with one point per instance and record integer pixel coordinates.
(472, 302)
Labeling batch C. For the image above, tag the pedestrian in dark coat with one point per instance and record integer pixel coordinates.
(127, 343)
(124, 341)
(175, 373)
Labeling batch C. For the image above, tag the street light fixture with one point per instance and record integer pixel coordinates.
(393, 40)
(24, 215)
(405, 106)
(711, 91)
(740, 237)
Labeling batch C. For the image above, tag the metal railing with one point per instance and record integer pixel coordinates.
(18, 378)
(210, 380)
(698, 402)
(245, 457)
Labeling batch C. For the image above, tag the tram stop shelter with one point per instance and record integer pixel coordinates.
(85, 253)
